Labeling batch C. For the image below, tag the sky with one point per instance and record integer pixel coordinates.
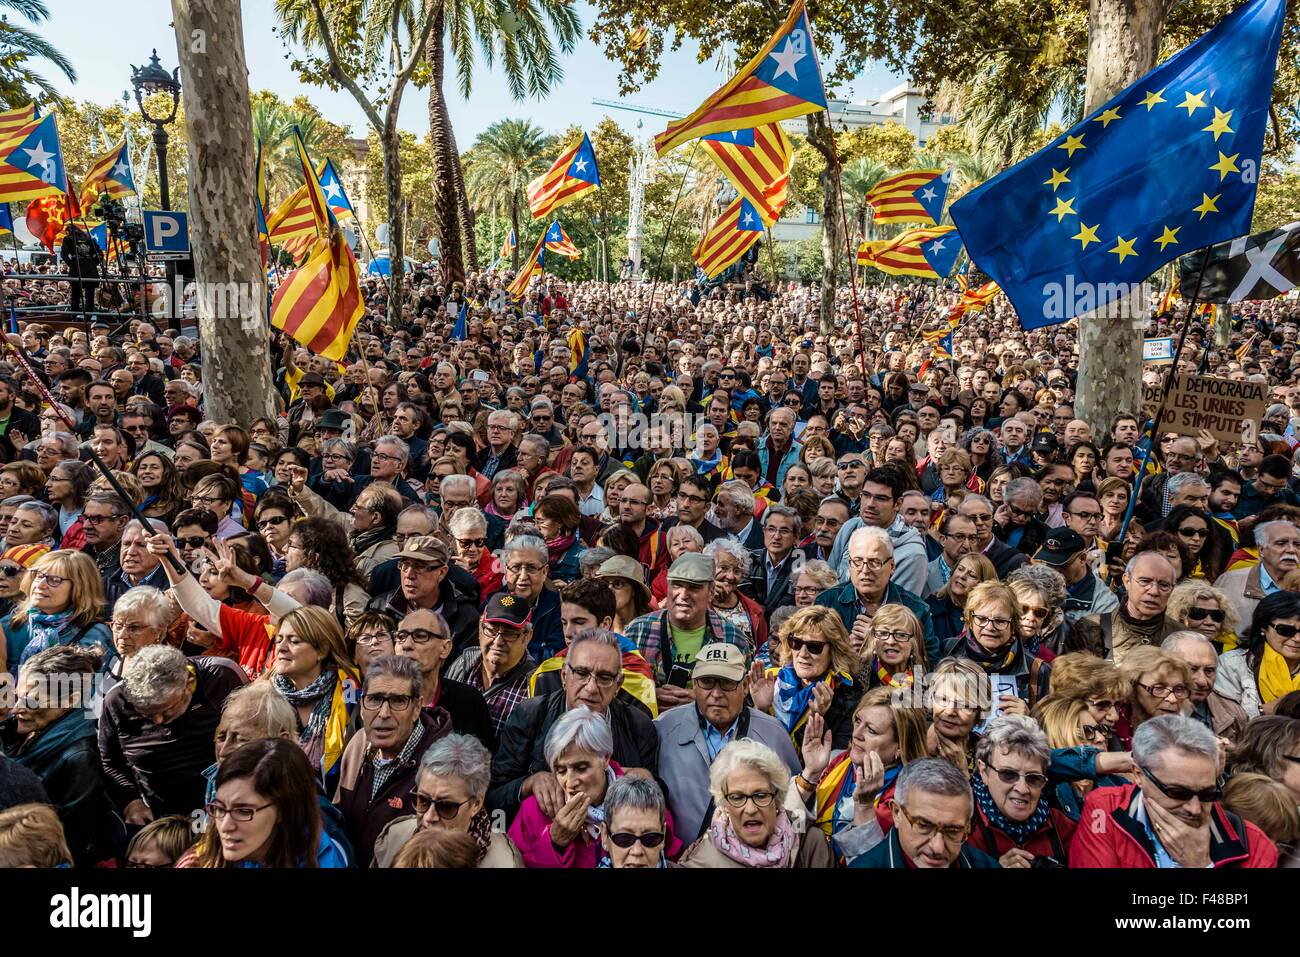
(102, 47)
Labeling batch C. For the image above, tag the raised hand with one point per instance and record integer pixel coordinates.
(822, 697)
(816, 747)
(762, 687)
(568, 823)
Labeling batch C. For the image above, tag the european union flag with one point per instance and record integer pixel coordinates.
(1167, 166)
(941, 253)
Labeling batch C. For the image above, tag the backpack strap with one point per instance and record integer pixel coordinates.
(1035, 669)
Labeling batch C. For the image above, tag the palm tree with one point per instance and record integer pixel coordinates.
(503, 159)
(518, 36)
(18, 44)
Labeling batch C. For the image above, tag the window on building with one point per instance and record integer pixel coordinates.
(811, 217)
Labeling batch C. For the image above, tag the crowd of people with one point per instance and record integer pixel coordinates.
(627, 575)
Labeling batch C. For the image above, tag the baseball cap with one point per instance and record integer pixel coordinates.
(1061, 546)
(506, 609)
(1044, 442)
(718, 659)
(692, 567)
(425, 548)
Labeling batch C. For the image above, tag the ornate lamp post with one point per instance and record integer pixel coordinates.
(147, 81)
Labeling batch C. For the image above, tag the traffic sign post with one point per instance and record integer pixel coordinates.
(166, 235)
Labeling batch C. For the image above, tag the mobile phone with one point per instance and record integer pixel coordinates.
(679, 676)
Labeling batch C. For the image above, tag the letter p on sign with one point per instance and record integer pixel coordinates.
(166, 233)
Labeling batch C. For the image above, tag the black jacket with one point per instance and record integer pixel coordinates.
(1034, 535)
(468, 710)
(782, 590)
(523, 741)
(65, 756)
(508, 459)
(460, 610)
(708, 531)
(1005, 559)
(163, 764)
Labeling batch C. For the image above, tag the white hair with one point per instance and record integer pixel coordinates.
(581, 728)
(866, 534)
(729, 546)
(1157, 735)
(148, 602)
(932, 776)
(156, 672)
(1263, 532)
(747, 753)
(466, 520)
(452, 483)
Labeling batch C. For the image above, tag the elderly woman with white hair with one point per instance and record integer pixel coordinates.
(579, 751)
(140, 619)
(680, 539)
(449, 795)
(469, 536)
(752, 826)
(731, 566)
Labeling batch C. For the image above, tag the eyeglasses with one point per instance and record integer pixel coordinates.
(1215, 615)
(984, 621)
(738, 799)
(871, 564)
(412, 565)
(373, 701)
(446, 810)
(101, 519)
(813, 647)
(952, 833)
(522, 569)
(54, 581)
(697, 499)
(710, 682)
(419, 636)
(1284, 630)
(960, 538)
(626, 839)
(374, 639)
(1159, 585)
(894, 637)
(243, 813)
(1034, 779)
(10, 571)
(1087, 516)
(603, 679)
(1161, 692)
(1180, 793)
(207, 499)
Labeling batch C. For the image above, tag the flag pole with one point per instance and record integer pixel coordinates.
(1154, 424)
(844, 221)
(663, 246)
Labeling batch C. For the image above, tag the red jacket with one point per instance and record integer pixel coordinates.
(1051, 840)
(1109, 836)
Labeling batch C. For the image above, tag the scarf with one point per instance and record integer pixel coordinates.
(903, 680)
(792, 697)
(705, 466)
(993, 662)
(1018, 831)
(319, 694)
(364, 540)
(492, 510)
(779, 851)
(556, 547)
(1275, 678)
(596, 812)
(45, 630)
(480, 828)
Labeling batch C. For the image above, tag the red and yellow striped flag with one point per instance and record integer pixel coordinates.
(902, 255)
(735, 231)
(319, 304)
(753, 159)
(916, 196)
(11, 120)
(783, 80)
(519, 285)
(573, 175)
(293, 225)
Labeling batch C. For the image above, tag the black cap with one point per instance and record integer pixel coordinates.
(332, 419)
(1044, 442)
(504, 608)
(1062, 545)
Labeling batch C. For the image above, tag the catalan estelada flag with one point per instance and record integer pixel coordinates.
(910, 254)
(319, 304)
(519, 285)
(752, 159)
(783, 80)
(738, 228)
(110, 173)
(31, 162)
(338, 201)
(916, 196)
(558, 241)
(321, 210)
(263, 201)
(99, 233)
(573, 175)
(11, 120)
(508, 246)
(293, 225)
(578, 354)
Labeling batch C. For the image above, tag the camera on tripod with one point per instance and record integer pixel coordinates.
(113, 213)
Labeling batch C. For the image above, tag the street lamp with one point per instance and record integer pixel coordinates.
(147, 81)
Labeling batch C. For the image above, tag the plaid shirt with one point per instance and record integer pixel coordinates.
(506, 692)
(650, 632)
(384, 769)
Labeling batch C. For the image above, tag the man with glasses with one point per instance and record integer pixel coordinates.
(959, 538)
(105, 516)
(879, 506)
(1225, 717)
(1181, 455)
(1148, 581)
(499, 454)
(691, 737)
(692, 506)
(778, 450)
(541, 416)
(1173, 816)
(138, 423)
(1279, 553)
(380, 763)
(423, 637)
(424, 584)
(591, 676)
(1271, 486)
(932, 808)
(499, 667)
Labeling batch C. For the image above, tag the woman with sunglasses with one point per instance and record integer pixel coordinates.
(273, 520)
(450, 795)
(1199, 606)
(814, 671)
(1012, 821)
(992, 641)
(849, 791)
(1074, 735)
(1159, 684)
(752, 824)
(1267, 667)
(265, 813)
(579, 751)
(1207, 542)
(1042, 626)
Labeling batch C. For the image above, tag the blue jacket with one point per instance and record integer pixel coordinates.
(888, 854)
(790, 458)
(844, 599)
(17, 637)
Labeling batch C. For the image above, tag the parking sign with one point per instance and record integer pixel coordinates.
(166, 234)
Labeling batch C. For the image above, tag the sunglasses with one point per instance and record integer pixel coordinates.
(446, 810)
(1200, 614)
(626, 839)
(813, 647)
(10, 571)
(1284, 630)
(271, 520)
(195, 541)
(1179, 793)
(1007, 776)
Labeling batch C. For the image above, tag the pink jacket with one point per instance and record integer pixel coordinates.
(531, 833)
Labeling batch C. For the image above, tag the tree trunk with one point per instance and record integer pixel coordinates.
(396, 217)
(466, 213)
(819, 134)
(1123, 41)
(447, 224)
(514, 225)
(223, 218)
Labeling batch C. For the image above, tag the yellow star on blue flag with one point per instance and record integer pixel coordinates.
(1177, 154)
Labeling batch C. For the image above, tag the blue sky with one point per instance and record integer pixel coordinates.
(103, 43)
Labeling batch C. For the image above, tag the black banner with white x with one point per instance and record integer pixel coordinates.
(1262, 266)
